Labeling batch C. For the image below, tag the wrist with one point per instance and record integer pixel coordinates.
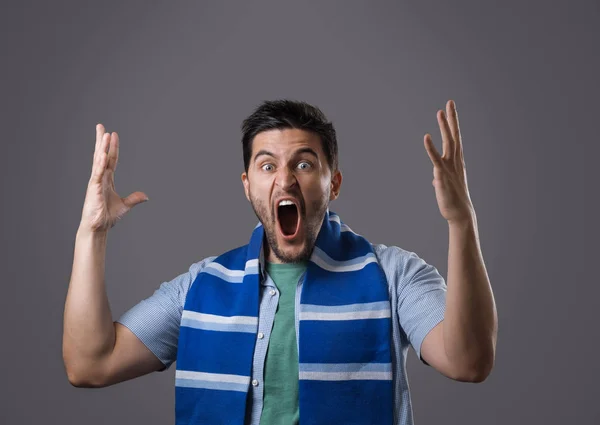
(84, 232)
(463, 224)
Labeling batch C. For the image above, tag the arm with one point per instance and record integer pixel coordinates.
(96, 351)
(463, 345)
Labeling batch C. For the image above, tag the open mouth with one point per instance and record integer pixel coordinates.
(288, 218)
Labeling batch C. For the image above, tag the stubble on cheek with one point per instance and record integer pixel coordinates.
(261, 211)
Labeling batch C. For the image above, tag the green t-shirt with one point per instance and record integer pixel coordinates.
(280, 397)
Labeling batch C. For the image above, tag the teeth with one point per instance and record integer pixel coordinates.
(285, 202)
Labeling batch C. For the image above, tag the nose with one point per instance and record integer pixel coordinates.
(285, 178)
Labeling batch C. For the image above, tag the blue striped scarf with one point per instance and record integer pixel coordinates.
(345, 373)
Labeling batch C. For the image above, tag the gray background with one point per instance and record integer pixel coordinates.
(175, 80)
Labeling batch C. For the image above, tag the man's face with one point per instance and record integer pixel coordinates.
(290, 164)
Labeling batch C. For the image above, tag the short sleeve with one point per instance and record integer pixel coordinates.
(156, 319)
(421, 299)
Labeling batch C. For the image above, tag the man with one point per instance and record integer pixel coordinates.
(307, 323)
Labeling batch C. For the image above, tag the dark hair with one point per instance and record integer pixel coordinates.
(285, 113)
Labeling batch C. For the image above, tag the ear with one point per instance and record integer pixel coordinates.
(336, 184)
(246, 183)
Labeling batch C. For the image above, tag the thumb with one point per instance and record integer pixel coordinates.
(134, 199)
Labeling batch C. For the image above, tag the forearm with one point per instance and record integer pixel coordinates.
(88, 329)
(470, 321)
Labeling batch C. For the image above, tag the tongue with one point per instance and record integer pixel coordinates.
(288, 219)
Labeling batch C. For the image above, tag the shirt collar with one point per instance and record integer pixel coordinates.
(261, 266)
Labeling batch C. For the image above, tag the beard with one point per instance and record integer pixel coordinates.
(312, 226)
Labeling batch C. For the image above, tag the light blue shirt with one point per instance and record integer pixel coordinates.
(417, 296)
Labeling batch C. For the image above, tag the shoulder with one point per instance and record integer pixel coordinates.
(386, 251)
(195, 269)
(178, 287)
(183, 282)
(401, 265)
(391, 257)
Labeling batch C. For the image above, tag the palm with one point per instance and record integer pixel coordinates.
(114, 207)
(103, 206)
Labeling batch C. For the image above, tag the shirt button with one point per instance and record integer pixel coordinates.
(261, 335)
(272, 292)
(254, 382)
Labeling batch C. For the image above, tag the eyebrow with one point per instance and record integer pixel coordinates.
(298, 152)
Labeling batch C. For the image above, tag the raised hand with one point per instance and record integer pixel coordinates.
(449, 171)
(103, 207)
